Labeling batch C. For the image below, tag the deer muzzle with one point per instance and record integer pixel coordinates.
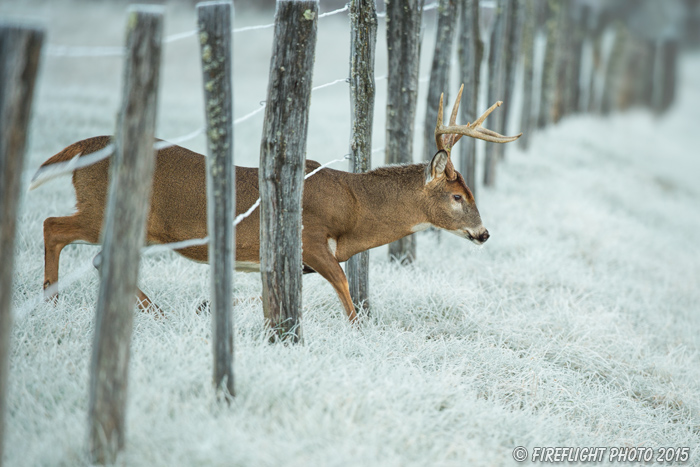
(478, 236)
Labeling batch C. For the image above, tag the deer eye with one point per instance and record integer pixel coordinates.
(457, 197)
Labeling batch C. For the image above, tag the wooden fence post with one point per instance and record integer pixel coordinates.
(511, 57)
(20, 49)
(471, 53)
(549, 65)
(282, 164)
(581, 19)
(496, 83)
(666, 71)
(131, 173)
(439, 73)
(214, 24)
(527, 118)
(403, 20)
(599, 24)
(644, 84)
(613, 71)
(363, 41)
(563, 65)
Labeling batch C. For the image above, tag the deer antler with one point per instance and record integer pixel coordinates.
(447, 136)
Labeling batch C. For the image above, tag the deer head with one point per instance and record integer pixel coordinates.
(450, 202)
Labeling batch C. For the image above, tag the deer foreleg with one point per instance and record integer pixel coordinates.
(324, 263)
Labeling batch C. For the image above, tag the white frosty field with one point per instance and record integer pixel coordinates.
(576, 324)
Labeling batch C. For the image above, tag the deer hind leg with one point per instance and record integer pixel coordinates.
(323, 262)
(59, 232)
(144, 303)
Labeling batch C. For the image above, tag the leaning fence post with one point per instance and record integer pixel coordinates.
(20, 49)
(403, 20)
(471, 53)
(496, 83)
(282, 164)
(439, 73)
(131, 173)
(363, 41)
(214, 24)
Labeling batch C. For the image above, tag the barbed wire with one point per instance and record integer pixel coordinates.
(428, 7)
(58, 169)
(21, 311)
(203, 241)
(53, 50)
(86, 51)
(80, 162)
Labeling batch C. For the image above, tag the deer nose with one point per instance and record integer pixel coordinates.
(484, 236)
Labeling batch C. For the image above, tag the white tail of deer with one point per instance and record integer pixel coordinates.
(343, 213)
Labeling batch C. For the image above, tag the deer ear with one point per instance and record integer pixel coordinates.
(436, 168)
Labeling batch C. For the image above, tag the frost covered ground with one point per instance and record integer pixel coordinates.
(576, 324)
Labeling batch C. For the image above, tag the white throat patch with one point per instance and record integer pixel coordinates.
(332, 246)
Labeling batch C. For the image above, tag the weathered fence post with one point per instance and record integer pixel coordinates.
(599, 25)
(614, 71)
(214, 23)
(549, 68)
(131, 173)
(471, 53)
(20, 49)
(439, 73)
(530, 21)
(580, 19)
(496, 83)
(363, 41)
(282, 164)
(563, 58)
(511, 57)
(666, 71)
(403, 20)
(644, 73)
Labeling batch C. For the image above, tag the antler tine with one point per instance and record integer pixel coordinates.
(486, 114)
(447, 136)
(476, 130)
(439, 126)
(455, 108)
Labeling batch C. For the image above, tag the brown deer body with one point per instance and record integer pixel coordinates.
(343, 213)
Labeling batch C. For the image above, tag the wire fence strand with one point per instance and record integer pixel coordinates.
(87, 51)
(78, 162)
(53, 50)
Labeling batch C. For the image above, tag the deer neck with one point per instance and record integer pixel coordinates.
(389, 206)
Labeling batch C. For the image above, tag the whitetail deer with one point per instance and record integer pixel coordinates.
(343, 213)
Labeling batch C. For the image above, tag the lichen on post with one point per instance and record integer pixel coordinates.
(403, 21)
(131, 173)
(282, 164)
(363, 40)
(214, 22)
